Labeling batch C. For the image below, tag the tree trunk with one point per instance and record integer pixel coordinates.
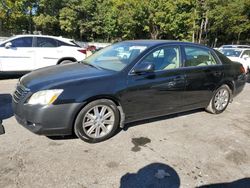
(30, 21)
(238, 38)
(154, 32)
(193, 35)
(201, 30)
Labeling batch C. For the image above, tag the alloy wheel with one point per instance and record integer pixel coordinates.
(98, 121)
(221, 99)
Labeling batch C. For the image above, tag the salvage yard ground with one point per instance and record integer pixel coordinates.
(185, 150)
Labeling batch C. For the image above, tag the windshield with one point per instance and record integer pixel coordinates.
(116, 57)
(231, 52)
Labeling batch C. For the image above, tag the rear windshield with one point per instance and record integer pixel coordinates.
(231, 52)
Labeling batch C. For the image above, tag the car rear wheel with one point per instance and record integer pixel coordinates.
(220, 100)
(97, 121)
(65, 62)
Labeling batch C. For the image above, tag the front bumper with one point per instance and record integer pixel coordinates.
(51, 120)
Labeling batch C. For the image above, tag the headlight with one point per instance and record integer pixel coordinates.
(45, 97)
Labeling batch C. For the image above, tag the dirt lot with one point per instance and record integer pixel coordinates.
(186, 150)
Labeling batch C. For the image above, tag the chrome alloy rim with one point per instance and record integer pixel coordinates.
(221, 99)
(98, 121)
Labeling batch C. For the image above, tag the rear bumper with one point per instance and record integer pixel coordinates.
(49, 120)
(240, 84)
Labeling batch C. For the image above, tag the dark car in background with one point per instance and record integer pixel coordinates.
(95, 97)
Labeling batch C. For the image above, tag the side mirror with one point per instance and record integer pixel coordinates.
(8, 45)
(245, 57)
(144, 67)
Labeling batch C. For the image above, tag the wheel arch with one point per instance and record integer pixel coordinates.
(66, 58)
(231, 86)
(108, 97)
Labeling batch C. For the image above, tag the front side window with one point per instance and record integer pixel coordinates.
(116, 57)
(43, 42)
(246, 53)
(164, 58)
(198, 57)
(23, 42)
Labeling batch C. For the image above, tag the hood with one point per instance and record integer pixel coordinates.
(58, 74)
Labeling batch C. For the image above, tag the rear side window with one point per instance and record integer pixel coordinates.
(60, 43)
(44, 42)
(23, 42)
(196, 56)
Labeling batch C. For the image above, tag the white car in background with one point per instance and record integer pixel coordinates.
(240, 55)
(234, 46)
(29, 52)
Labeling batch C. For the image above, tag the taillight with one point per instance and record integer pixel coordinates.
(242, 69)
(82, 51)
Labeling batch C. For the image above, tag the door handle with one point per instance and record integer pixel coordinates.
(217, 73)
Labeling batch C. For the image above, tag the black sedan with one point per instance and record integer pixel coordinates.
(125, 82)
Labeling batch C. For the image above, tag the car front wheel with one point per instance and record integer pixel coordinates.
(97, 121)
(220, 100)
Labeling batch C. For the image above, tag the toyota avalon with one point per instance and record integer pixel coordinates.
(94, 97)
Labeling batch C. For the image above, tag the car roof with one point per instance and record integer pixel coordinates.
(67, 40)
(238, 49)
(160, 42)
(235, 46)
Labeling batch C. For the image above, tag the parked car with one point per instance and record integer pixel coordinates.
(1, 128)
(234, 46)
(240, 55)
(24, 53)
(95, 97)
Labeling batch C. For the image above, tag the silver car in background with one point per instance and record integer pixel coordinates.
(241, 55)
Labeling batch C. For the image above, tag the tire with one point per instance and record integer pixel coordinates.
(65, 62)
(220, 100)
(97, 121)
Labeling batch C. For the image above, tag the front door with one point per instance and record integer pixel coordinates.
(19, 56)
(156, 93)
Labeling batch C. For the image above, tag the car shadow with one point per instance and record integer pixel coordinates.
(66, 137)
(150, 120)
(5, 106)
(10, 76)
(132, 124)
(241, 183)
(153, 175)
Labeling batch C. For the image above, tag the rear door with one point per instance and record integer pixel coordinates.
(203, 75)
(47, 52)
(19, 57)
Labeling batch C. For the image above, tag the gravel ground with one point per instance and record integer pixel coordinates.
(186, 150)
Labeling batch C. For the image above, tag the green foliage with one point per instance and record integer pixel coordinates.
(204, 21)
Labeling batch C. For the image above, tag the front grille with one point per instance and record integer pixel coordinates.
(20, 93)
